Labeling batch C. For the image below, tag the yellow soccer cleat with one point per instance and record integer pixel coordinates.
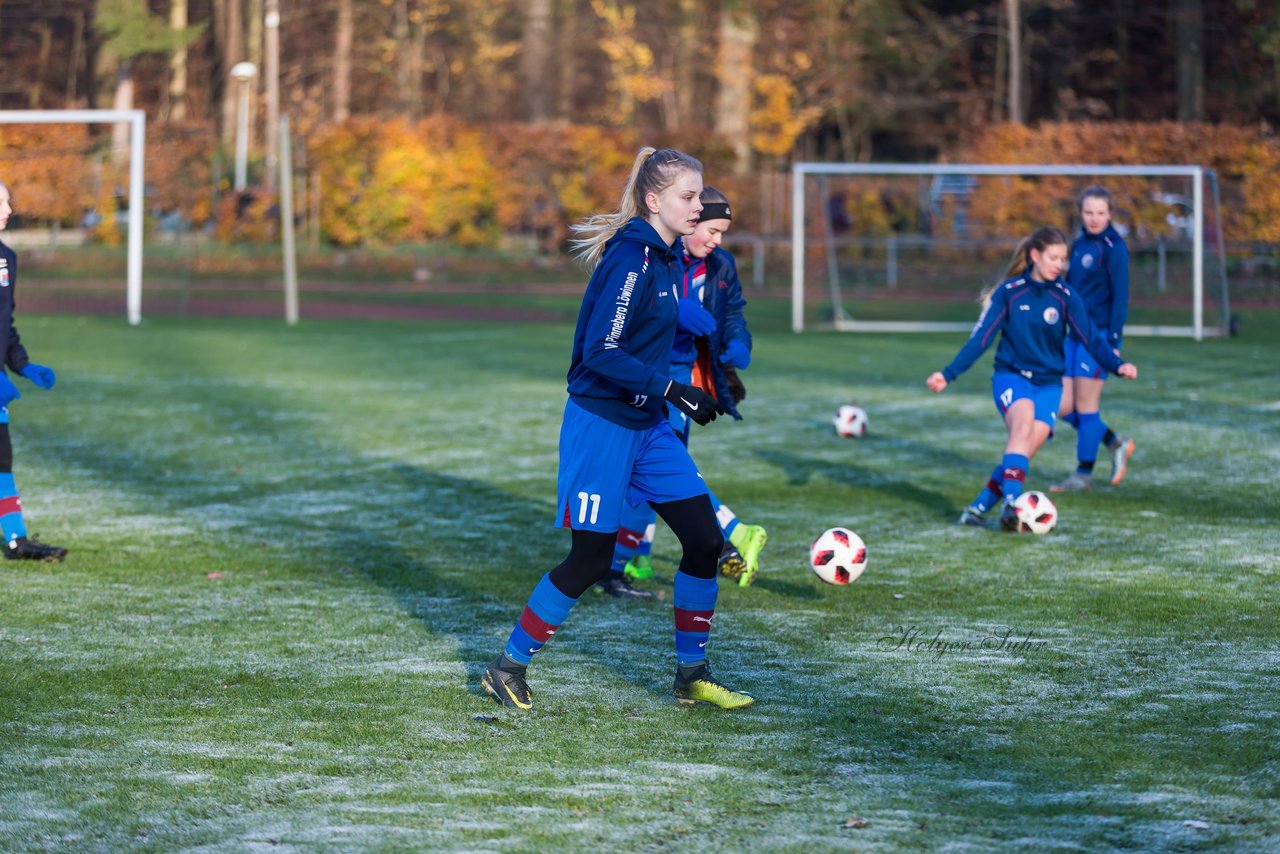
(639, 567)
(749, 541)
(701, 687)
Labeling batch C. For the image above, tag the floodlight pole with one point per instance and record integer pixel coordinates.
(137, 120)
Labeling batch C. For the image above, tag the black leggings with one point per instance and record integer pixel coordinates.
(6, 450)
(692, 520)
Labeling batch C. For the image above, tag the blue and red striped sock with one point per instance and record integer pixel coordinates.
(695, 607)
(635, 535)
(1015, 474)
(990, 493)
(547, 610)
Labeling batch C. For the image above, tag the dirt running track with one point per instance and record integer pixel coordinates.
(37, 303)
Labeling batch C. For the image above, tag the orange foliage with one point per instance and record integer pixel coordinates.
(178, 168)
(46, 169)
(1245, 160)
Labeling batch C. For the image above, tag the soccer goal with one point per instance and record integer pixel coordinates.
(137, 121)
(906, 247)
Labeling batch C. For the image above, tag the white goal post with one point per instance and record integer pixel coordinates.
(799, 234)
(137, 120)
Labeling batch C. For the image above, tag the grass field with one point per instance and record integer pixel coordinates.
(293, 550)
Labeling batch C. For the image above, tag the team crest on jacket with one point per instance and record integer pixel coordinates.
(1051, 315)
(1087, 260)
(644, 268)
(4, 276)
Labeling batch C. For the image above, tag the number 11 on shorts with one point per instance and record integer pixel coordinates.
(585, 500)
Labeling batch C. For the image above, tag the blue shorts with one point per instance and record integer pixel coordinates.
(1007, 388)
(603, 464)
(1080, 362)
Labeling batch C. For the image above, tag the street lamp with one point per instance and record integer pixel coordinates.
(243, 72)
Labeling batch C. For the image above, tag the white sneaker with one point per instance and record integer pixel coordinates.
(1121, 450)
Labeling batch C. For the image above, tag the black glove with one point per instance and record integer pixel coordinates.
(694, 402)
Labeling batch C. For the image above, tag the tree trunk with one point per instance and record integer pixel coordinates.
(342, 62)
(688, 41)
(404, 69)
(1014, 14)
(1122, 60)
(1188, 27)
(232, 52)
(567, 35)
(535, 60)
(73, 64)
(732, 117)
(178, 63)
(120, 130)
(42, 65)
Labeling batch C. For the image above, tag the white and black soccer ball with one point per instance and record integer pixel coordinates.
(851, 421)
(1036, 513)
(838, 556)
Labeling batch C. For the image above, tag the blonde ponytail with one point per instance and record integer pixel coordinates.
(653, 171)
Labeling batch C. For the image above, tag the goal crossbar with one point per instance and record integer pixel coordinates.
(137, 120)
(799, 171)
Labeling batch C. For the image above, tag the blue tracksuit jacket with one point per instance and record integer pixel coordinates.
(1034, 320)
(15, 355)
(625, 328)
(1099, 273)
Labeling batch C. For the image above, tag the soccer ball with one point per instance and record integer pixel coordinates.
(1036, 513)
(838, 556)
(851, 422)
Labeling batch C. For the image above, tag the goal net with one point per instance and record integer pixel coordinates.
(907, 247)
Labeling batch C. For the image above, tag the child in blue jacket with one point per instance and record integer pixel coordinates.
(712, 343)
(1035, 314)
(1099, 273)
(616, 445)
(17, 545)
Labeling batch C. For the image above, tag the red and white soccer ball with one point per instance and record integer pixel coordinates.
(1036, 513)
(838, 556)
(851, 422)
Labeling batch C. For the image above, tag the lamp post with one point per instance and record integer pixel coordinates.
(243, 72)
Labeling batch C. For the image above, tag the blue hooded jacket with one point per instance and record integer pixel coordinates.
(1099, 273)
(1034, 319)
(625, 328)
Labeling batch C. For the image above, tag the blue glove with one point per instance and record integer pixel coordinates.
(39, 374)
(8, 391)
(695, 319)
(736, 355)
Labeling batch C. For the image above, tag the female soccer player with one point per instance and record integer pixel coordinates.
(712, 342)
(1035, 314)
(616, 445)
(1099, 273)
(17, 546)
